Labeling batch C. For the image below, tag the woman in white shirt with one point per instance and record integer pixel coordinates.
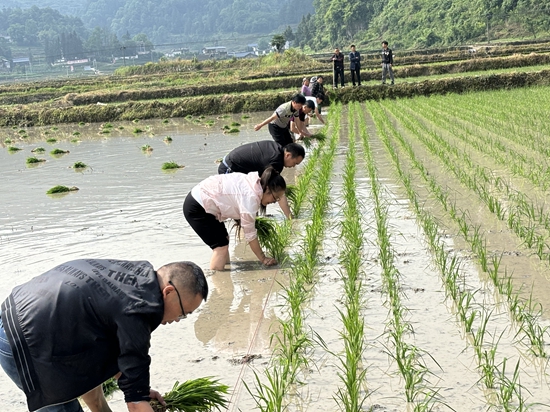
(232, 196)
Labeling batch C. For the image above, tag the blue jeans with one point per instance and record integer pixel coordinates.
(8, 364)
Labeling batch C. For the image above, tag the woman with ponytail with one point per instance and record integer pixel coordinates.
(232, 196)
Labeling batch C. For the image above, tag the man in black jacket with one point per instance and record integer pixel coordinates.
(387, 62)
(257, 156)
(318, 87)
(337, 68)
(355, 65)
(68, 330)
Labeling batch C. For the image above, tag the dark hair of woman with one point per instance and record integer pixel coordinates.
(271, 180)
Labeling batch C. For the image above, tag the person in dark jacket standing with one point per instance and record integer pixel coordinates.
(355, 65)
(387, 62)
(258, 156)
(65, 332)
(337, 68)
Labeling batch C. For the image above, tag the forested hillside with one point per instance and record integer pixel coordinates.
(421, 23)
(162, 20)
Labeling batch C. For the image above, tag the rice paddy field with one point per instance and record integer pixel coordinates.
(415, 276)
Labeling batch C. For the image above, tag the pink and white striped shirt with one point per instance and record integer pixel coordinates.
(232, 196)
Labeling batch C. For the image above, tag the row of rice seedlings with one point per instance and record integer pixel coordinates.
(494, 375)
(525, 312)
(507, 119)
(407, 356)
(294, 343)
(521, 207)
(275, 236)
(352, 372)
(490, 144)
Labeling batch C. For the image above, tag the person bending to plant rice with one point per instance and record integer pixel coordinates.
(257, 156)
(232, 196)
(279, 122)
(65, 332)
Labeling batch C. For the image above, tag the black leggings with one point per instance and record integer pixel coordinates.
(210, 230)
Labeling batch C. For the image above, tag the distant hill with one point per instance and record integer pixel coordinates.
(163, 20)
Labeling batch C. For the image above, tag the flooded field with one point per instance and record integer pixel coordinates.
(434, 338)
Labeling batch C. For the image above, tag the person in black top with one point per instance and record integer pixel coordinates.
(65, 332)
(387, 62)
(337, 68)
(355, 65)
(257, 156)
(318, 87)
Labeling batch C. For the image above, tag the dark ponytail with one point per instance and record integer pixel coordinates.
(271, 179)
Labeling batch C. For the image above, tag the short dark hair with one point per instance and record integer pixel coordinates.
(320, 77)
(299, 98)
(189, 275)
(295, 150)
(385, 42)
(320, 96)
(353, 45)
(310, 104)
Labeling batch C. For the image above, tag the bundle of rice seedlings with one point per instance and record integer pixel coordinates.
(38, 150)
(61, 189)
(146, 148)
(168, 139)
(33, 160)
(268, 236)
(58, 152)
(197, 395)
(79, 165)
(291, 194)
(109, 387)
(13, 149)
(171, 165)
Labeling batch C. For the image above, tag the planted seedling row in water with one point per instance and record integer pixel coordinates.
(508, 392)
(527, 321)
(294, 342)
(407, 357)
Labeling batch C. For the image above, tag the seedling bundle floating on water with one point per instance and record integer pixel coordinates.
(197, 395)
(171, 165)
(61, 189)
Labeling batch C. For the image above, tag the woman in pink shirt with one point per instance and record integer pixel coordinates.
(232, 196)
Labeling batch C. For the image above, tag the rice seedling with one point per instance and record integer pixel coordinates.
(22, 131)
(188, 117)
(54, 128)
(8, 141)
(75, 141)
(165, 121)
(109, 387)
(79, 165)
(34, 160)
(51, 140)
(171, 166)
(107, 126)
(55, 152)
(135, 121)
(167, 139)
(235, 124)
(245, 116)
(38, 150)
(137, 130)
(146, 148)
(106, 131)
(61, 189)
(233, 130)
(268, 236)
(197, 395)
(120, 127)
(76, 133)
(81, 124)
(210, 123)
(13, 149)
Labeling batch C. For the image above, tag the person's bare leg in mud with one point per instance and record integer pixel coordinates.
(220, 256)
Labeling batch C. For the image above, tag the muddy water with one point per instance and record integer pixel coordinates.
(128, 208)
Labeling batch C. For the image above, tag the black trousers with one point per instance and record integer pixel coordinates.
(358, 73)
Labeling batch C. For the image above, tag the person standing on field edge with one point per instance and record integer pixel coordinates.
(355, 65)
(387, 62)
(337, 68)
